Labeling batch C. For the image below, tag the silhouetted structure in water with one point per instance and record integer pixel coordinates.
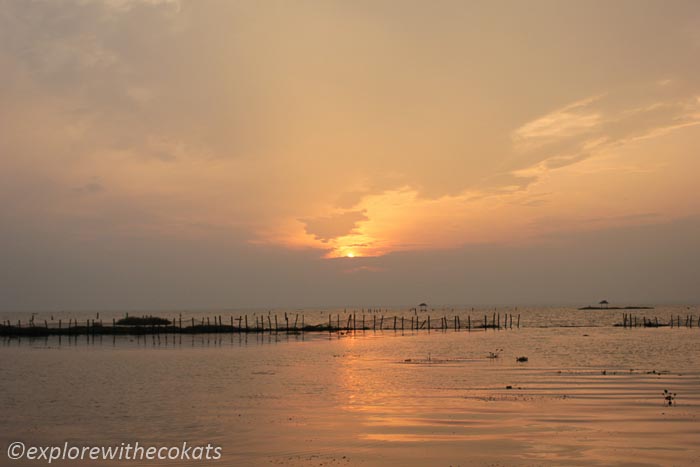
(130, 325)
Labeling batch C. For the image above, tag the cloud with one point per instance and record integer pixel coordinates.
(350, 199)
(90, 188)
(378, 134)
(219, 143)
(331, 227)
(601, 123)
(572, 120)
(125, 5)
(551, 227)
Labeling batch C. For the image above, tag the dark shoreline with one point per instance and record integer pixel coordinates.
(120, 330)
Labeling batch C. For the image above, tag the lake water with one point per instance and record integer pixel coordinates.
(589, 393)
(530, 316)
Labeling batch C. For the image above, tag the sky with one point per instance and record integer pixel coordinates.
(201, 154)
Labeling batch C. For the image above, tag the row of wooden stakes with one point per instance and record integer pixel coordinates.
(632, 321)
(265, 323)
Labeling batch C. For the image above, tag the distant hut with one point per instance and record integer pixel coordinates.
(423, 307)
(603, 303)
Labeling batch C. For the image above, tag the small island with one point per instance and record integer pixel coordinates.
(604, 305)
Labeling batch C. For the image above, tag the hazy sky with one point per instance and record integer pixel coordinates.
(167, 153)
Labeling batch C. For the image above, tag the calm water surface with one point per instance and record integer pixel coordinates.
(586, 395)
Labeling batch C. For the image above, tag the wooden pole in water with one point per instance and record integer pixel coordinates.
(374, 322)
(329, 322)
(428, 323)
(469, 323)
(381, 324)
(518, 320)
(394, 322)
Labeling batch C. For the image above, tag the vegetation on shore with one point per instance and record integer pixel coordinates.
(143, 321)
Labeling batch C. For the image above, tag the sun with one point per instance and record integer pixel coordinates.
(350, 255)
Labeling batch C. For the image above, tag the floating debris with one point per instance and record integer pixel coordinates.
(669, 397)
